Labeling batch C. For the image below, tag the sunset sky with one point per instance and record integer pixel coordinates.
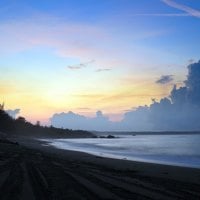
(88, 55)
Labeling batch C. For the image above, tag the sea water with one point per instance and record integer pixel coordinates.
(179, 150)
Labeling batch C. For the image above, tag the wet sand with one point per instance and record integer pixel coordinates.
(32, 170)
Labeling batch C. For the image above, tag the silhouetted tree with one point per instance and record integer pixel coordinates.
(6, 122)
(21, 119)
(38, 123)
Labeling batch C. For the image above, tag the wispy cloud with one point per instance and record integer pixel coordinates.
(84, 108)
(74, 67)
(187, 9)
(162, 14)
(80, 65)
(74, 40)
(103, 70)
(89, 96)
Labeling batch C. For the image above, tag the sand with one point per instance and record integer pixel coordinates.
(30, 169)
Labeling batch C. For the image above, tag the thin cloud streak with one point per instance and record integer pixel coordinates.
(83, 109)
(187, 9)
(74, 67)
(81, 65)
(103, 70)
(162, 15)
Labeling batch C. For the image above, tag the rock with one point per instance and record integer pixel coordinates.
(110, 136)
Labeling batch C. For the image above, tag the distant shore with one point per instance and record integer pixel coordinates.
(133, 133)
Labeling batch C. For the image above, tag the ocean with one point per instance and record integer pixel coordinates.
(179, 150)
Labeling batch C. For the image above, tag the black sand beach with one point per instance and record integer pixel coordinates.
(31, 170)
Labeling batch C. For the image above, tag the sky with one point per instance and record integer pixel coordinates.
(84, 55)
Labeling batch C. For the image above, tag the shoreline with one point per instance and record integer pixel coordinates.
(50, 142)
(121, 164)
(140, 160)
(35, 171)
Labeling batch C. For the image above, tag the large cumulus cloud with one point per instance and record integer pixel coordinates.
(180, 111)
(76, 121)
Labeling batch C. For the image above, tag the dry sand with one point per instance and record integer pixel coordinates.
(32, 170)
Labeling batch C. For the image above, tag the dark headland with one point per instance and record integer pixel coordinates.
(29, 169)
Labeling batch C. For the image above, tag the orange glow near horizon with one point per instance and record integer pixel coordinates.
(113, 103)
(51, 63)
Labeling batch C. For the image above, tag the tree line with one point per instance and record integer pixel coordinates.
(20, 126)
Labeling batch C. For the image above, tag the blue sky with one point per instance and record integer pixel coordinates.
(131, 44)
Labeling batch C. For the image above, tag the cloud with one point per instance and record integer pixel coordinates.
(162, 15)
(187, 9)
(74, 67)
(84, 108)
(75, 121)
(190, 61)
(80, 65)
(180, 111)
(165, 79)
(103, 70)
(89, 96)
(13, 113)
(67, 39)
(77, 40)
(193, 83)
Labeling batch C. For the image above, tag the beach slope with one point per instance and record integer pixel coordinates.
(32, 170)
